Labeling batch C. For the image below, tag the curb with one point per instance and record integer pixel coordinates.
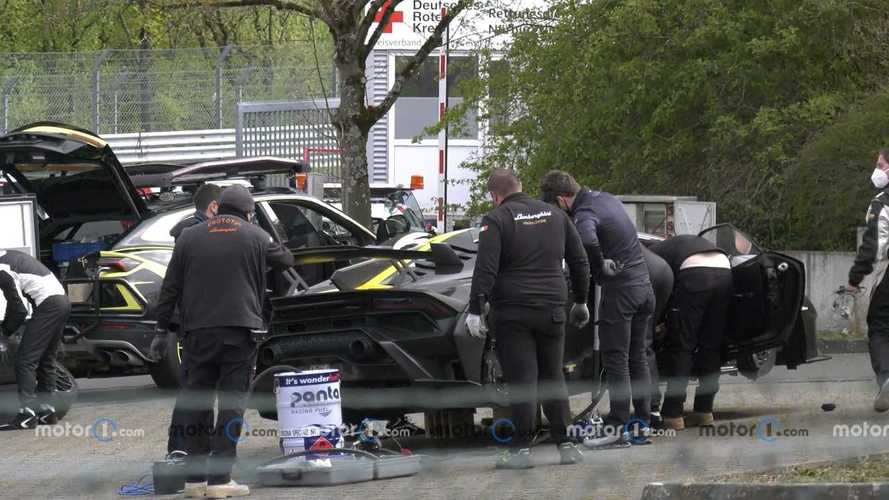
(802, 491)
(842, 346)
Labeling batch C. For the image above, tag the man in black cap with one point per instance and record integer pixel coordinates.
(217, 275)
(206, 206)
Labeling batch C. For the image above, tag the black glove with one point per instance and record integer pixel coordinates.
(158, 348)
(5, 350)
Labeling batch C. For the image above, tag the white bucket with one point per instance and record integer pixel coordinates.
(309, 406)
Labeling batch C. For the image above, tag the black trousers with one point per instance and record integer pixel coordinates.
(179, 418)
(878, 330)
(694, 339)
(36, 355)
(531, 349)
(625, 314)
(219, 360)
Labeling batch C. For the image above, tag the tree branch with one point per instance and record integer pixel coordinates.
(369, 19)
(278, 4)
(413, 64)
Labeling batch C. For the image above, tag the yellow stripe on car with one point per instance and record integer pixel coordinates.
(132, 305)
(377, 282)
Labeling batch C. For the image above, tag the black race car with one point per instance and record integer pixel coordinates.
(393, 324)
(104, 231)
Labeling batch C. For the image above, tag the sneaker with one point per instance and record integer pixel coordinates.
(520, 459)
(881, 402)
(569, 454)
(24, 419)
(605, 436)
(676, 424)
(699, 419)
(195, 490)
(46, 415)
(227, 490)
(657, 421)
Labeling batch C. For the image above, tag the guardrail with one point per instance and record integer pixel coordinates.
(174, 147)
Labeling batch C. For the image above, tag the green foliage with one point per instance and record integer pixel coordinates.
(690, 97)
(831, 183)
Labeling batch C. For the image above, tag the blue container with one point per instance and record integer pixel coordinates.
(65, 252)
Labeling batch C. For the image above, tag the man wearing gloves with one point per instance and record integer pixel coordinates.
(873, 251)
(35, 373)
(217, 275)
(617, 265)
(518, 270)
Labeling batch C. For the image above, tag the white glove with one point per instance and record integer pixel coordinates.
(579, 315)
(475, 326)
(610, 268)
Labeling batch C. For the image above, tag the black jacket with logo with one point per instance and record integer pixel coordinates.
(218, 275)
(520, 251)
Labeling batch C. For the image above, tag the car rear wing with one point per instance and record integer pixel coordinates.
(441, 257)
(167, 175)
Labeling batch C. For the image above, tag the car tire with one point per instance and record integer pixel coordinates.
(755, 365)
(166, 373)
(65, 391)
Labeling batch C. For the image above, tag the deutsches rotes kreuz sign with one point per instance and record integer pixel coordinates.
(489, 23)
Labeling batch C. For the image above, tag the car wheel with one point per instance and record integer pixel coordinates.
(65, 391)
(166, 373)
(754, 365)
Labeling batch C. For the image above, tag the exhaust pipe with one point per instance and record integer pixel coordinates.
(356, 346)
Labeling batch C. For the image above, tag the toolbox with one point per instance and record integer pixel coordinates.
(342, 466)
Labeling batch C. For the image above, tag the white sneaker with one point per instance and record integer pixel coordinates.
(230, 489)
(195, 490)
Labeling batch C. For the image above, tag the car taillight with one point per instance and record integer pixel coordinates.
(121, 264)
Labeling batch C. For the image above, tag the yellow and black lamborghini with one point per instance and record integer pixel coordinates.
(105, 231)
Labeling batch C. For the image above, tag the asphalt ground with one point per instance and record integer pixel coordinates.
(69, 462)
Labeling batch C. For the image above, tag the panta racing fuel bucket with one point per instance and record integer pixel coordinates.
(309, 410)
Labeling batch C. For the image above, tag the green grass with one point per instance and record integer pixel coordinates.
(858, 470)
(839, 335)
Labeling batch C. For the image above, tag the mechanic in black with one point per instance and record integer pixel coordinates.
(699, 308)
(617, 265)
(35, 373)
(518, 269)
(206, 204)
(871, 253)
(217, 276)
(661, 276)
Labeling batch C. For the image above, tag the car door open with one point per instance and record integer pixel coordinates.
(768, 289)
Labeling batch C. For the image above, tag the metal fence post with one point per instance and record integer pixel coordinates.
(4, 101)
(100, 59)
(218, 104)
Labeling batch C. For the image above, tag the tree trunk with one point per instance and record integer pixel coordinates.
(351, 123)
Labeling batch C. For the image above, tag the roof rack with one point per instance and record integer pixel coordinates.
(167, 175)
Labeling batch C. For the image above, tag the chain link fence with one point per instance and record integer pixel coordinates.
(126, 91)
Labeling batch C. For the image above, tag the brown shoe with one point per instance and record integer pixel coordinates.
(676, 424)
(697, 419)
